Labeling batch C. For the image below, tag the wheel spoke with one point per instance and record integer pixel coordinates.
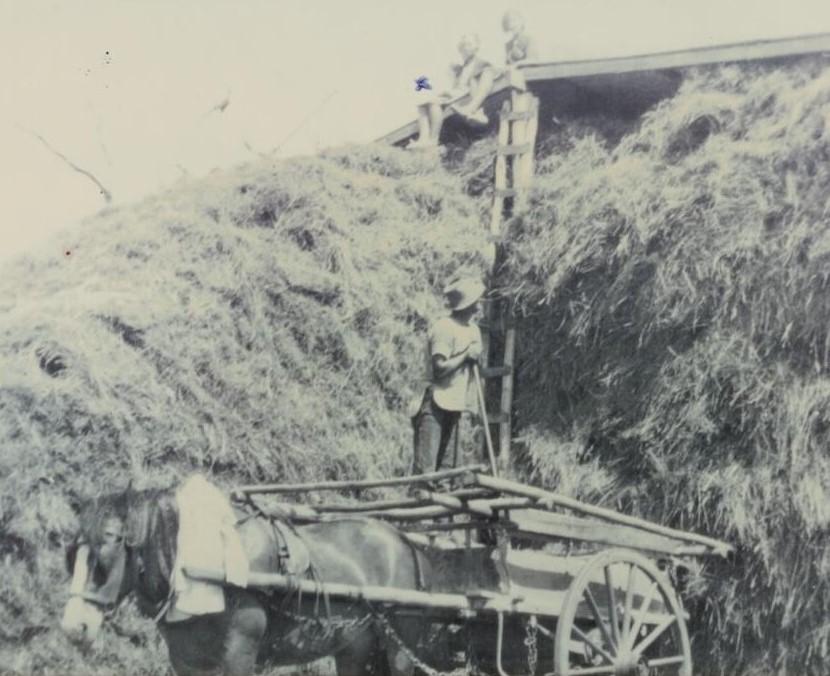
(598, 617)
(642, 629)
(666, 661)
(641, 614)
(587, 639)
(654, 635)
(629, 600)
(612, 605)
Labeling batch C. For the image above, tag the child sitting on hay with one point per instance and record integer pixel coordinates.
(473, 75)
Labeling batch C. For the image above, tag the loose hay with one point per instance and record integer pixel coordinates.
(675, 299)
(263, 325)
(266, 324)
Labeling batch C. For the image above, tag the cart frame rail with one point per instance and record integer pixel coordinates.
(519, 509)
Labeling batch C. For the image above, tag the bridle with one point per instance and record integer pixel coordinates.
(107, 597)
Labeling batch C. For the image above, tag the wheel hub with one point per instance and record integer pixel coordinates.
(630, 664)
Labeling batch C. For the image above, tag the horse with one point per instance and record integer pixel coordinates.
(127, 545)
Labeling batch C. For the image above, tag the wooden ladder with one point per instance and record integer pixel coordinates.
(513, 174)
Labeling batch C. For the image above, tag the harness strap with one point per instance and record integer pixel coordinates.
(283, 552)
(165, 606)
(274, 518)
(421, 562)
(320, 591)
(279, 519)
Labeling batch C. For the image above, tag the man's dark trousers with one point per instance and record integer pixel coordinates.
(434, 428)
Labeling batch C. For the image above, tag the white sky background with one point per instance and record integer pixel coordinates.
(138, 117)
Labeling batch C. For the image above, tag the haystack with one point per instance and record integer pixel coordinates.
(674, 289)
(266, 324)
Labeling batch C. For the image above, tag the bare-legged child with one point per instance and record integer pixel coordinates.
(473, 75)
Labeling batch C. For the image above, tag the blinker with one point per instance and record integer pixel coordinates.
(107, 594)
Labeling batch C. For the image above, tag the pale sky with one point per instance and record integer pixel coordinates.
(124, 87)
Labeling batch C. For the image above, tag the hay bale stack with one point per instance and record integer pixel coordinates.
(676, 348)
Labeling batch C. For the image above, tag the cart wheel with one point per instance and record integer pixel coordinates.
(621, 616)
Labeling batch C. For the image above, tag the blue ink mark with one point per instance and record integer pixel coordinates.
(422, 83)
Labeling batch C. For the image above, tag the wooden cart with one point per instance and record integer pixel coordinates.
(599, 597)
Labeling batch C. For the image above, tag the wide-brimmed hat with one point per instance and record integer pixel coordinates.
(463, 292)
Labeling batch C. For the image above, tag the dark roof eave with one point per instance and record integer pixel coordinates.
(698, 56)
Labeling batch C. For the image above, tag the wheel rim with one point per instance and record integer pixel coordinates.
(621, 617)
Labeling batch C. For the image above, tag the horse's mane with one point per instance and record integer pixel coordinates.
(140, 512)
(151, 520)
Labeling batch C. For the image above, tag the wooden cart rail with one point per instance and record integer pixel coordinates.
(542, 603)
(362, 484)
(548, 500)
(522, 510)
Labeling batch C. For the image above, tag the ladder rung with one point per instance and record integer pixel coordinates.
(496, 371)
(501, 327)
(498, 418)
(519, 149)
(506, 192)
(524, 115)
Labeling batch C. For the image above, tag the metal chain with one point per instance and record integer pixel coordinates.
(427, 669)
(331, 623)
(531, 632)
(531, 642)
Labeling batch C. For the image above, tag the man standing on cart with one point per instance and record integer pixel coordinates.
(453, 347)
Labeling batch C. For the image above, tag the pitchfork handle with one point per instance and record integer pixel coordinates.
(483, 408)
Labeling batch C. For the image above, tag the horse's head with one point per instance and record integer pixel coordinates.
(107, 559)
(97, 562)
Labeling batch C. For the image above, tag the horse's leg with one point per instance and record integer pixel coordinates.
(397, 661)
(373, 653)
(192, 646)
(246, 626)
(181, 667)
(214, 645)
(357, 658)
